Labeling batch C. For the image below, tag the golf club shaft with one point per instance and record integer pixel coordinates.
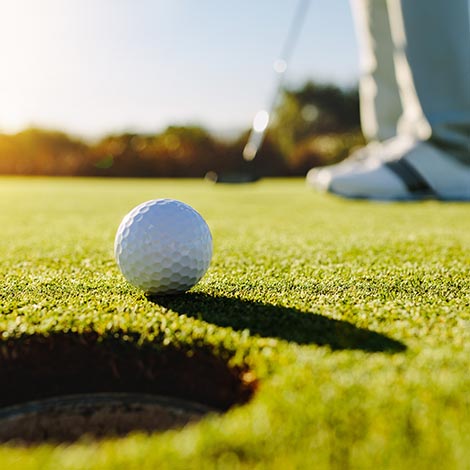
(262, 117)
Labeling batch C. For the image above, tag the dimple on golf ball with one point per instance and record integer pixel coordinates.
(163, 246)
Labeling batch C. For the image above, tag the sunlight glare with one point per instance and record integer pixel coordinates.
(261, 120)
(280, 66)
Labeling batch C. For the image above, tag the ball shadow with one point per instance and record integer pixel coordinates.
(283, 323)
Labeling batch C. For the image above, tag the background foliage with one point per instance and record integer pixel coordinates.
(313, 125)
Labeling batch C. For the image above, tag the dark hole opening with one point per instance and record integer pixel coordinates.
(107, 386)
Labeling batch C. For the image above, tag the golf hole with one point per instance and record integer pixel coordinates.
(64, 387)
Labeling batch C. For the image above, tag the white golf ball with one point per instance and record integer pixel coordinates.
(163, 246)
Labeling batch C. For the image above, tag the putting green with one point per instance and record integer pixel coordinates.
(329, 333)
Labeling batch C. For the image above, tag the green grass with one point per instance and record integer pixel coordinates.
(354, 317)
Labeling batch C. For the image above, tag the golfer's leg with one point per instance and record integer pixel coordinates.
(432, 60)
(379, 94)
(430, 156)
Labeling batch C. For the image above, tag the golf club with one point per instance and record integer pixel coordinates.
(263, 116)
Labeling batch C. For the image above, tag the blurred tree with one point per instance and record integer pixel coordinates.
(37, 151)
(312, 111)
(313, 125)
(176, 152)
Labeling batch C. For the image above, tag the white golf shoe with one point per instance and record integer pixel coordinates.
(398, 169)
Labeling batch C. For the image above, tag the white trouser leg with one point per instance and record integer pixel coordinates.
(415, 88)
(432, 62)
(379, 94)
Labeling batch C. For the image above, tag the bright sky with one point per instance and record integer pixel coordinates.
(96, 66)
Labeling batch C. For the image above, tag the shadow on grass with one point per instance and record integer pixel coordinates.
(283, 323)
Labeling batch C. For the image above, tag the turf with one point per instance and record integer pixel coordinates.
(351, 318)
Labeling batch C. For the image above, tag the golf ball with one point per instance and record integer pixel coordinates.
(163, 246)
